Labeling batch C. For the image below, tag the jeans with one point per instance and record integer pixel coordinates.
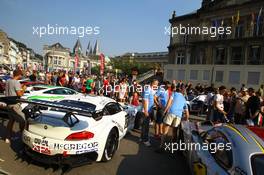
(145, 127)
(15, 114)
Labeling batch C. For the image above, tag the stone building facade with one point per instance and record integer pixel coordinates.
(232, 58)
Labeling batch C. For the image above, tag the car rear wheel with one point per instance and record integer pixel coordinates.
(111, 145)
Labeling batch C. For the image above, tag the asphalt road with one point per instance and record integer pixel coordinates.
(131, 158)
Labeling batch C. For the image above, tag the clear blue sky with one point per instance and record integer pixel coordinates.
(125, 25)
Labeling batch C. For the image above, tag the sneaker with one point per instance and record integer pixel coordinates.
(147, 143)
(7, 141)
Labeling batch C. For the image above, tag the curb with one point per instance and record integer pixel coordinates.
(199, 118)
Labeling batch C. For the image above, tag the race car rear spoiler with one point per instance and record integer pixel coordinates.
(70, 110)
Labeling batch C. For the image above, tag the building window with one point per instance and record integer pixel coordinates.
(194, 75)
(180, 58)
(219, 76)
(181, 74)
(220, 56)
(237, 57)
(206, 75)
(59, 61)
(254, 55)
(202, 57)
(198, 57)
(253, 78)
(169, 74)
(234, 77)
(55, 60)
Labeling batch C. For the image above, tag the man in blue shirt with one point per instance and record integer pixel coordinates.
(174, 111)
(161, 99)
(148, 104)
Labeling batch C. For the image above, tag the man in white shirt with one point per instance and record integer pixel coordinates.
(219, 112)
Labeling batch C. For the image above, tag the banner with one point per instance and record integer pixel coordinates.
(76, 58)
(102, 62)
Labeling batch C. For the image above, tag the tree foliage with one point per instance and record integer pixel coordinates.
(126, 64)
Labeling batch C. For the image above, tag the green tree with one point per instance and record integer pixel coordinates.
(95, 70)
(126, 64)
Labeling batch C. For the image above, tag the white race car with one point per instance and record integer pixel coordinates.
(74, 131)
(50, 93)
(46, 92)
(197, 104)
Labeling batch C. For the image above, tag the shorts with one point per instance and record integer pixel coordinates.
(172, 120)
(159, 116)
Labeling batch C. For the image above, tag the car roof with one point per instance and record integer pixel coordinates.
(99, 101)
(48, 86)
(244, 142)
(241, 136)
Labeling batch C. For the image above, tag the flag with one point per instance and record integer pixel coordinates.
(222, 23)
(258, 20)
(102, 62)
(233, 20)
(259, 15)
(215, 24)
(252, 19)
(238, 17)
(77, 54)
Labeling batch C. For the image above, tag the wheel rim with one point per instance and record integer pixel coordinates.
(111, 144)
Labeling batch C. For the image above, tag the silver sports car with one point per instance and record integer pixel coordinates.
(223, 149)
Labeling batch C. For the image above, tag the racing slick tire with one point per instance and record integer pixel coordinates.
(111, 145)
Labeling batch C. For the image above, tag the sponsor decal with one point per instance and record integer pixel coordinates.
(41, 146)
(26, 138)
(41, 142)
(120, 128)
(76, 146)
(86, 151)
(39, 97)
(41, 149)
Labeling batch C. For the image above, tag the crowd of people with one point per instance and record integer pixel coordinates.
(162, 103)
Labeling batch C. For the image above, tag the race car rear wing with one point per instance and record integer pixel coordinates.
(70, 110)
